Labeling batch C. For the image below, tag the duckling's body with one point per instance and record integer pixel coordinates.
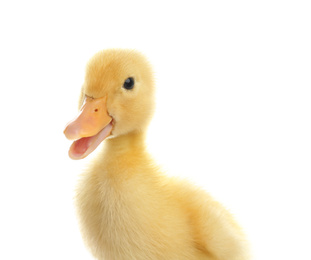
(128, 208)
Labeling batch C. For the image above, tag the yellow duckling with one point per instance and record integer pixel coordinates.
(128, 209)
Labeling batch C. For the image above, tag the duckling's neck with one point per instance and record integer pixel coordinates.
(125, 143)
(125, 149)
(124, 157)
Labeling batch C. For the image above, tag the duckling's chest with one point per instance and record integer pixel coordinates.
(105, 207)
(125, 217)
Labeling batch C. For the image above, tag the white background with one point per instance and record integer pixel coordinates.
(233, 112)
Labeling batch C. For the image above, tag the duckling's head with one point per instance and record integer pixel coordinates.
(117, 98)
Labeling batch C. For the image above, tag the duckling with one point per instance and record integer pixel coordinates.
(127, 207)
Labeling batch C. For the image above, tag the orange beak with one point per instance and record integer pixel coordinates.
(89, 128)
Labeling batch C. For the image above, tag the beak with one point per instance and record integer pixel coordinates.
(92, 125)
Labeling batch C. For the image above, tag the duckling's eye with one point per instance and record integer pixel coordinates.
(128, 83)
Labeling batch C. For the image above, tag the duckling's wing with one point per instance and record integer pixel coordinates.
(215, 231)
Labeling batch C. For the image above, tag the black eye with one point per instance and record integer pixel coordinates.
(128, 83)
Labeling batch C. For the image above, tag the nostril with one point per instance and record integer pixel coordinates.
(96, 110)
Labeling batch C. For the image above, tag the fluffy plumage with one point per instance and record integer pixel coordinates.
(129, 209)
